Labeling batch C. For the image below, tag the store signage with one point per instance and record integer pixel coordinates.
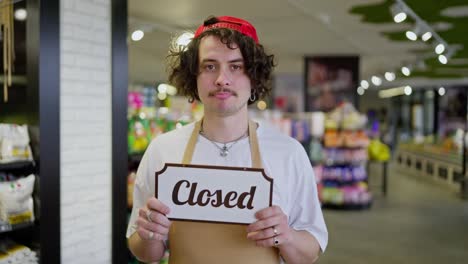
(213, 193)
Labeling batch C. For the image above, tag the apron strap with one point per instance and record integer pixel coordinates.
(188, 154)
(253, 139)
(254, 148)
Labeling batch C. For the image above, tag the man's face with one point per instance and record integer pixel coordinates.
(223, 86)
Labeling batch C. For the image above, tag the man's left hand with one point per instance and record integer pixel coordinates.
(271, 228)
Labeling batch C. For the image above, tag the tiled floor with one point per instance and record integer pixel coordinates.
(417, 222)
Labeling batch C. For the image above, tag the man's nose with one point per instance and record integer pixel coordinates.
(224, 78)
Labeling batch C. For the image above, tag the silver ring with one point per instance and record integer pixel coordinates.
(151, 235)
(275, 241)
(275, 231)
(148, 215)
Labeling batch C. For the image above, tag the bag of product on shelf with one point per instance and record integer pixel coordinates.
(16, 202)
(12, 253)
(130, 186)
(316, 152)
(378, 151)
(300, 130)
(332, 195)
(139, 134)
(14, 143)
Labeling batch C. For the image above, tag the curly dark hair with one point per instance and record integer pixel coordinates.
(183, 64)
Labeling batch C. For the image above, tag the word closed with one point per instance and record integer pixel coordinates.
(204, 197)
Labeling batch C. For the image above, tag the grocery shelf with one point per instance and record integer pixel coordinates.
(17, 165)
(8, 227)
(347, 206)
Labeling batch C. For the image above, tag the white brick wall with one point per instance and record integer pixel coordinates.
(85, 132)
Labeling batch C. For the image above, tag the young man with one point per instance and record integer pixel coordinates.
(226, 69)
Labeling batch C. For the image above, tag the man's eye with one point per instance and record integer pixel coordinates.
(209, 67)
(236, 67)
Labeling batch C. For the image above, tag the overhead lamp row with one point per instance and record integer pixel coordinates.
(400, 12)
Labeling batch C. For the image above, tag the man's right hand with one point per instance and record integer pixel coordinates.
(152, 221)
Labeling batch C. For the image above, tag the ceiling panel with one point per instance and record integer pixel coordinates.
(291, 29)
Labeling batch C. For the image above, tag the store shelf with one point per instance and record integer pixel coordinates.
(7, 227)
(345, 147)
(344, 175)
(340, 183)
(17, 165)
(331, 163)
(347, 206)
(433, 153)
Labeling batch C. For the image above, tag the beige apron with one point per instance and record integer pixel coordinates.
(214, 243)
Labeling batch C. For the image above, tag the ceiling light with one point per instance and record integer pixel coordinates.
(162, 88)
(426, 36)
(441, 91)
(262, 105)
(137, 35)
(391, 92)
(411, 35)
(171, 90)
(21, 14)
(408, 90)
(397, 10)
(360, 90)
(406, 71)
(184, 39)
(376, 80)
(439, 49)
(390, 76)
(443, 59)
(364, 84)
(400, 17)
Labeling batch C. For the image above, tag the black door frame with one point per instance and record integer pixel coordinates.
(119, 130)
(43, 71)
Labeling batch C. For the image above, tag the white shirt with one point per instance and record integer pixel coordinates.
(283, 158)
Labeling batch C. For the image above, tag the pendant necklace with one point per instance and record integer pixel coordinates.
(224, 150)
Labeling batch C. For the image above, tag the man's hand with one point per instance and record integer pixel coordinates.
(271, 228)
(152, 221)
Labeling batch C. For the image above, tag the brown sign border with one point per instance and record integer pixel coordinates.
(166, 165)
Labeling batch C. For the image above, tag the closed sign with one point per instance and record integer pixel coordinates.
(213, 193)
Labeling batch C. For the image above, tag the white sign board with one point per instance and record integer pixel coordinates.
(213, 193)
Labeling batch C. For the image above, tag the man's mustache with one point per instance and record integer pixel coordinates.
(223, 90)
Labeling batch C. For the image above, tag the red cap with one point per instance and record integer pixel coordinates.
(234, 23)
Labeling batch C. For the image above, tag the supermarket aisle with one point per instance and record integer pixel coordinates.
(418, 222)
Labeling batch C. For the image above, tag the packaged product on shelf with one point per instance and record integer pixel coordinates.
(317, 124)
(333, 139)
(139, 134)
(13, 253)
(14, 143)
(378, 151)
(300, 130)
(353, 120)
(316, 153)
(345, 117)
(130, 185)
(16, 202)
(331, 195)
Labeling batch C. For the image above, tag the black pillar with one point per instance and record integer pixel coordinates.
(464, 183)
(436, 114)
(119, 130)
(43, 71)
